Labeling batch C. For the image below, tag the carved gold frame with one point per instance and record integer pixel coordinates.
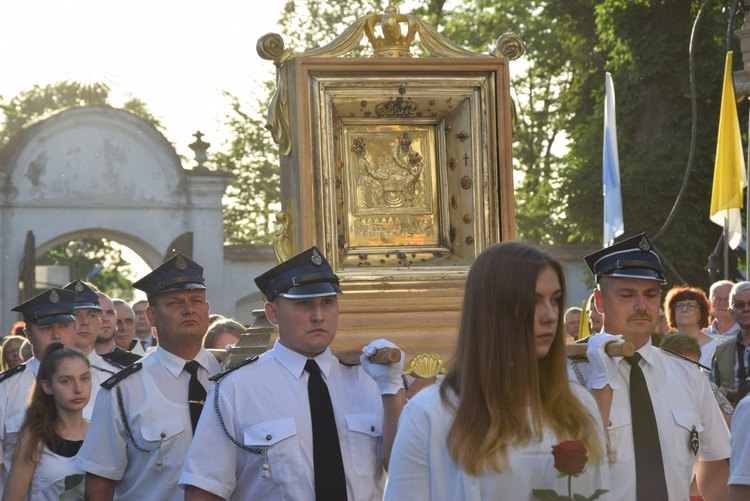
(451, 119)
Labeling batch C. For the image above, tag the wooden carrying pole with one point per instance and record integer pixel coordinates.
(392, 355)
(613, 349)
(382, 356)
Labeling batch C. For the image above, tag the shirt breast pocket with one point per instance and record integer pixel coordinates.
(12, 425)
(161, 437)
(688, 428)
(365, 440)
(620, 431)
(279, 442)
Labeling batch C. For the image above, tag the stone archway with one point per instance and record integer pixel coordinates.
(102, 172)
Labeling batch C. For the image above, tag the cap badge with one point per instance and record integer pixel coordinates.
(316, 259)
(643, 244)
(180, 263)
(54, 297)
(79, 286)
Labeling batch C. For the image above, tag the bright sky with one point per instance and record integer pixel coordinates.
(176, 56)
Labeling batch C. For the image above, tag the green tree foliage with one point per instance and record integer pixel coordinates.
(646, 46)
(96, 261)
(559, 91)
(251, 155)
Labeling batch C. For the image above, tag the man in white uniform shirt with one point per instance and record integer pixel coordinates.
(115, 357)
(261, 424)
(145, 415)
(687, 432)
(49, 317)
(88, 328)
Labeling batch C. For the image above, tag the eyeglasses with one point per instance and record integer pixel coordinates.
(686, 306)
(739, 305)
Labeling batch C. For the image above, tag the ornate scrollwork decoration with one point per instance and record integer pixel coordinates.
(271, 47)
(283, 243)
(510, 46)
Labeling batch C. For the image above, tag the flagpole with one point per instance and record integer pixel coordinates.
(747, 222)
(726, 251)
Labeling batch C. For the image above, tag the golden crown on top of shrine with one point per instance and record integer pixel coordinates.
(393, 42)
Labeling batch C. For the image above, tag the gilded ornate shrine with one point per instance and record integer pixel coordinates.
(398, 167)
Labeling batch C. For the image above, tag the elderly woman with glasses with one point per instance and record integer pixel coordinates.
(688, 312)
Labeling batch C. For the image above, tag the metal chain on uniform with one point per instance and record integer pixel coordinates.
(579, 374)
(261, 451)
(611, 453)
(129, 433)
(253, 450)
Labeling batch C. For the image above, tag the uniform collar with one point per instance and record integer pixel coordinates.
(647, 352)
(295, 362)
(175, 365)
(33, 363)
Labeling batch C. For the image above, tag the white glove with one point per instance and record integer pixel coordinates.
(388, 376)
(604, 367)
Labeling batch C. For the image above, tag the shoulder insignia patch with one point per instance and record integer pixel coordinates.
(245, 362)
(12, 372)
(127, 371)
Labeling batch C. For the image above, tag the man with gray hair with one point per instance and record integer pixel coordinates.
(723, 326)
(730, 367)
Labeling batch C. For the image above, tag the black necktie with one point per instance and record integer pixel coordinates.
(330, 482)
(196, 393)
(651, 484)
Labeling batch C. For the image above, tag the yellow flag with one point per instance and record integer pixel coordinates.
(729, 171)
(583, 329)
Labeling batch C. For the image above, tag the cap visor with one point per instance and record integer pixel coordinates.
(84, 305)
(179, 287)
(54, 319)
(317, 289)
(637, 273)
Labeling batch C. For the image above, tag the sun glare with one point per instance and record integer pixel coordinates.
(89, 66)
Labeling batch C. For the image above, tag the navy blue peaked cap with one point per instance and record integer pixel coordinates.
(86, 297)
(52, 306)
(307, 274)
(634, 257)
(176, 273)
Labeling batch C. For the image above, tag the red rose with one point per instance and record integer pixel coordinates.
(570, 457)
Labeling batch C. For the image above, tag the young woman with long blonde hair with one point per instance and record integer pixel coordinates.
(487, 431)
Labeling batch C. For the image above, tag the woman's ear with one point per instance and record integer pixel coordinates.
(46, 387)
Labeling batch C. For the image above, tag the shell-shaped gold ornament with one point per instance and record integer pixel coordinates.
(425, 365)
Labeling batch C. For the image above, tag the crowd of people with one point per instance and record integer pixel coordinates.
(113, 400)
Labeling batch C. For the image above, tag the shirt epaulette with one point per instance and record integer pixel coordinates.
(102, 369)
(245, 362)
(121, 358)
(12, 372)
(127, 371)
(686, 359)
